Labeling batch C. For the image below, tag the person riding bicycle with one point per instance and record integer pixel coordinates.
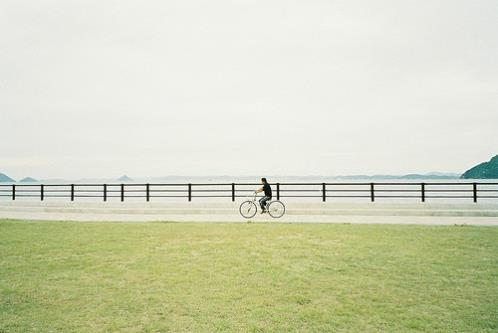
(267, 189)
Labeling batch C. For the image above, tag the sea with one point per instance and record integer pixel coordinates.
(219, 189)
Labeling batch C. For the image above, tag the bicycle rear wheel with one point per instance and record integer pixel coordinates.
(276, 209)
(248, 209)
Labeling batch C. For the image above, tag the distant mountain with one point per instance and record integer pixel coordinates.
(432, 175)
(28, 180)
(6, 179)
(125, 178)
(485, 170)
(444, 174)
(308, 178)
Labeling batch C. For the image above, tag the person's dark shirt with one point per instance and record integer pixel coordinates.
(267, 190)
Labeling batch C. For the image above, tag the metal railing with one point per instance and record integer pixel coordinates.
(324, 191)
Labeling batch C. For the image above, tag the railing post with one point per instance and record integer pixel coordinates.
(105, 192)
(324, 195)
(13, 192)
(474, 190)
(189, 192)
(42, 192)
(122, 192)
(233, 192)
(372, 192)
(72, 192)
(147, 192)
(278, 191)
(422, 189)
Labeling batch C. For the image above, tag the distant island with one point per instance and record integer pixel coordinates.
(125, 178)
(485, 170)
(28, 180)
(312, 178)
(432, 175)
(226, 178)
(6, 179)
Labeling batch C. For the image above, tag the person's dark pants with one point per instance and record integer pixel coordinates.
(262, 202)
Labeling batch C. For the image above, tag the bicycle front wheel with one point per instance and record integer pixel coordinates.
(248, 209)
(276, 209)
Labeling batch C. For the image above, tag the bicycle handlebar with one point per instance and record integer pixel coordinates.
(254, 195)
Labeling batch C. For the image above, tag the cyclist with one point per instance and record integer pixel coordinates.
(267, 189)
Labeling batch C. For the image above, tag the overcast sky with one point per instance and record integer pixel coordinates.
(153, 88)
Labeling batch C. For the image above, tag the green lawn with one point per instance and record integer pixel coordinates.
(160, 277)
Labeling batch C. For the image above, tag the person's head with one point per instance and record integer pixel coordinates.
(263, 180)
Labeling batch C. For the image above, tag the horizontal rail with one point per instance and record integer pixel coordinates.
(360, 190)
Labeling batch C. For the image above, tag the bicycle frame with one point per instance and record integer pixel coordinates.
(252, 199)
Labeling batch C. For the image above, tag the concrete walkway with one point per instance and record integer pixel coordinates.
(371, 213)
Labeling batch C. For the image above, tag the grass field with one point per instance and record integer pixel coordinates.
(159, 277)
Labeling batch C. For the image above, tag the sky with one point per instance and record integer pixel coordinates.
(274, 87)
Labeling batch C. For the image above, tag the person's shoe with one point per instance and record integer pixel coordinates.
(263, 211)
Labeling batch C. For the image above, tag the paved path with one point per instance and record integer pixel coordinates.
(422, 220)
(376, 213)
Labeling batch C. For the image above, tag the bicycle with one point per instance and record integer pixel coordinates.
(249, 208)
